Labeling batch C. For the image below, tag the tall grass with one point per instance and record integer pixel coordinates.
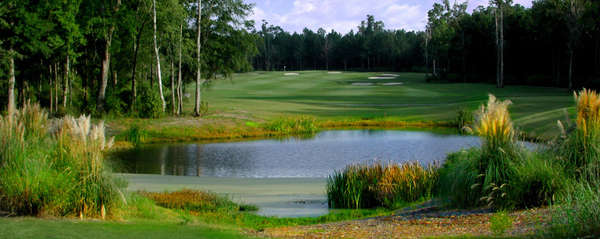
(577, 214)
(60, 172)
(293, 125)
(376, 185)
(580, 152)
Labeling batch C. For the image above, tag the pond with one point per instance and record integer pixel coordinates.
(314, 157)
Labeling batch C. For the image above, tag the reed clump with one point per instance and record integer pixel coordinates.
(56, 172)
(379, 185)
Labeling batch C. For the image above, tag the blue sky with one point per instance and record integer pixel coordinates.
(344, 15)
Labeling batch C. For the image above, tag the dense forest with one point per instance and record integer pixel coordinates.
(553, 43)
(102, 56)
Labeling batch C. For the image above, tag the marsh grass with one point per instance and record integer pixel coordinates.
(378, 185)
(136, 135)
(61, 172)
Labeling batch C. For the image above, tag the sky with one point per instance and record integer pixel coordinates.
(346, 15)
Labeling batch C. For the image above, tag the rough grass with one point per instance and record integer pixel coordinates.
(197, 201)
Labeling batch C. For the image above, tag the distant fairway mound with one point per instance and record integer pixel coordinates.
(334, 72)
(291, 74)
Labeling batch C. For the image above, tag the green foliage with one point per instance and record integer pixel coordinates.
(500, 223)
(536, 181)
(59, 174)
(376, 185)
(464, 118)
(148, 103)
(577, 214)
(136, 135)
(460, 180)
(293, 125)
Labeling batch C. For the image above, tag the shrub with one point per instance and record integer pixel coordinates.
(195, 201)
(459, 178)
(464, 118)
(62, 173)
(375, 185)
(293, 125)
(148, 103)
(536, 181)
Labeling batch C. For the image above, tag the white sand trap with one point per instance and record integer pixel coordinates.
(362, 84)
(390, 75)
(381, 78)
(291, 74)
(334, 72)
(393, 83)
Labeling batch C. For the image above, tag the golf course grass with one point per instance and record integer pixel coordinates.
(240, 103)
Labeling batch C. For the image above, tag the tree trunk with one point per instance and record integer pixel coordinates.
(11, 87)
(571, 69)
(179, 93)
(501, 47)
(136, 47)
(498, 84)
(56, 87)
(199, 67)
(173, 109)
(51, 92)
(105, 72)
(66, 82)
(158, 73)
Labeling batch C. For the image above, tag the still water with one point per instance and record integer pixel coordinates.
(315, 157)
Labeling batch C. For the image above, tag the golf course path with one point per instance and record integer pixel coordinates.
(421, 223)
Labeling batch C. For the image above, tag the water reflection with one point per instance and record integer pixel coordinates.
(293, 157)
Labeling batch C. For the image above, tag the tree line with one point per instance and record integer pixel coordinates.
(552, 43)
(97, 56)
(100, 56)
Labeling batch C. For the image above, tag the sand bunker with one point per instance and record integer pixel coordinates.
(393, 83)
(334, 72)
(291, 74)
(390, 75)
(362, 84)
(381, 78)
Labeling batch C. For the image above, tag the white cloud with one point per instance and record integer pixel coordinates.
(345, 15)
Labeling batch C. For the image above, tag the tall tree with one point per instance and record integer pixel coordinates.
(157, 53)
(198, 61)
(107, 24)
(574, 10)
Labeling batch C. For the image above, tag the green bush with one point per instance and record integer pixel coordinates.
(148, 103)
(464, 118)
(459, 180)
(536, 181)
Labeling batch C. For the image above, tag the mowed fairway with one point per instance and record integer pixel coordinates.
(267, 95)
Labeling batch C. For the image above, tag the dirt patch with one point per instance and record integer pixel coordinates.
(334, 72)
(291, 74)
